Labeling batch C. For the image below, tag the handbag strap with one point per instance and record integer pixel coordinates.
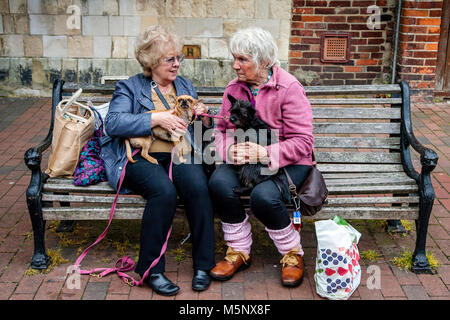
(161, 97)
(125, 263)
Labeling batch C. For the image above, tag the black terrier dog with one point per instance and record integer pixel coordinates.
(243, 116)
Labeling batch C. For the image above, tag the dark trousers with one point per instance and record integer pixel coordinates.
(153, 183)
(266, 201)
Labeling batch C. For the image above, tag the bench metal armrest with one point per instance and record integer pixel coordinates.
(428, 157)
(33, 155)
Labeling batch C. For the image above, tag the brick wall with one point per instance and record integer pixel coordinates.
(418, 48)
(370, 57)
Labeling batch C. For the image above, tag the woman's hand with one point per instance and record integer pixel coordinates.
(248, 152)
(168, 121)
(202, 108)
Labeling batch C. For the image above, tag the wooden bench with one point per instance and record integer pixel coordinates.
(363, 136)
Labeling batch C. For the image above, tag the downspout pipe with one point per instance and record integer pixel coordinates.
(397, 30)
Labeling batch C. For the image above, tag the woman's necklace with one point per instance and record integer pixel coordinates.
(256, 90)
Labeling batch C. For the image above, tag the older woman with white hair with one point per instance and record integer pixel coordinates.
(159, 53)
(280, 101)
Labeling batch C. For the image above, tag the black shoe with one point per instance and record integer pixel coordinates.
(161, 285)
(201, 280)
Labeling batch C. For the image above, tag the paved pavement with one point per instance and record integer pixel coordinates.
(24, 122)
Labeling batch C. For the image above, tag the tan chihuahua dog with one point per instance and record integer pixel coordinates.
(184, 108)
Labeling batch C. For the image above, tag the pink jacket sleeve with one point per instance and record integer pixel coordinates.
(222, 140)
(296, 139)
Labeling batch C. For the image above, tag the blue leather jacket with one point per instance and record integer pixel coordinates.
(127, 118)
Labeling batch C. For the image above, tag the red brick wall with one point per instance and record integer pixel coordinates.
(418, 48)
(370, 52)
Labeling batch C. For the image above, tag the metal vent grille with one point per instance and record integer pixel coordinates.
(335, 48)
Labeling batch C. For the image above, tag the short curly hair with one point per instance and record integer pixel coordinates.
(257, 44)
(152, 45)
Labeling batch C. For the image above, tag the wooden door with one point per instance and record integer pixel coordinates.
(442, 86)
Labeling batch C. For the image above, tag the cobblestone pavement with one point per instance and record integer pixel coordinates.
(24, 122)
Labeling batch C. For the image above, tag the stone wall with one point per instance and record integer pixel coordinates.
(41, 41)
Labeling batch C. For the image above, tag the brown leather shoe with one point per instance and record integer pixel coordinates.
(233, 262)
(292, 270)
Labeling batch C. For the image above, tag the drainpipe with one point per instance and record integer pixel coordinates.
(397, 29)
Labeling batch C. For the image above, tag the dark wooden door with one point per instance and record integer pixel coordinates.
(443, 63)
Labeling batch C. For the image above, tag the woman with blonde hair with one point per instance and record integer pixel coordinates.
(156, 88)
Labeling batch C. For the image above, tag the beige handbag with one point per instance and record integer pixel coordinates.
(74, 126)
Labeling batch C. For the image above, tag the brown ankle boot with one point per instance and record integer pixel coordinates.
(292, 269)
(232, 263)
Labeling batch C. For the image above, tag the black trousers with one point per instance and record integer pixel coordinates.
(153, 183)
(266, 201)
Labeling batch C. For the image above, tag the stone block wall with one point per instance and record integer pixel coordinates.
(37, 46)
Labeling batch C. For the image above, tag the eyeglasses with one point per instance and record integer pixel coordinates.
(171, 60)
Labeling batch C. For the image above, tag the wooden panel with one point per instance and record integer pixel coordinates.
(443, 59)
(93, 199)
(69, 213)
(365, 189)
(367, 213)
(358, 157)
(370, 200)
(341, 101)
(356, 113)
(348, 128)
(360, 101)
(363, 142)
(212, 91)
(69, 187)
(358, 175)
(352, 89)
(370, 181)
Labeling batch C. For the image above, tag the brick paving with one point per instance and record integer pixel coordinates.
(24, 123)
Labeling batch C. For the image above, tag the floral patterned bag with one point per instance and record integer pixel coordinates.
(91, 168)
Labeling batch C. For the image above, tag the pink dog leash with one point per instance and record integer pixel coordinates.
(125, 263)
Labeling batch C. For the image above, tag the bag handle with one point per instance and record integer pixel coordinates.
(72, 100)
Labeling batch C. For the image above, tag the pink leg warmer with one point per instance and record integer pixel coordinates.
(286, 239)
(238, 235)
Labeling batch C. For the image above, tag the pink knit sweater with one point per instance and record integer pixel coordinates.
(283, 105)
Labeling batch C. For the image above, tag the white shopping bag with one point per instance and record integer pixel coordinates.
(338, 272)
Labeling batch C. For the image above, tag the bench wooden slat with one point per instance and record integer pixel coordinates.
(369, 181)
(352, 89)
(358, 157)
(64, 187)
(364, 189)
(356, 113)
(139, 201)
(360, 101)
(362, 142)
(315, 101)
(370, 200)
(359, 167)
(333, 189)
(313, 90)
(89, 213)
(361, 127)
(92, 199)
(358, 175)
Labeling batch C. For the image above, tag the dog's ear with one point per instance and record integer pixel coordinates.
(231, 98)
